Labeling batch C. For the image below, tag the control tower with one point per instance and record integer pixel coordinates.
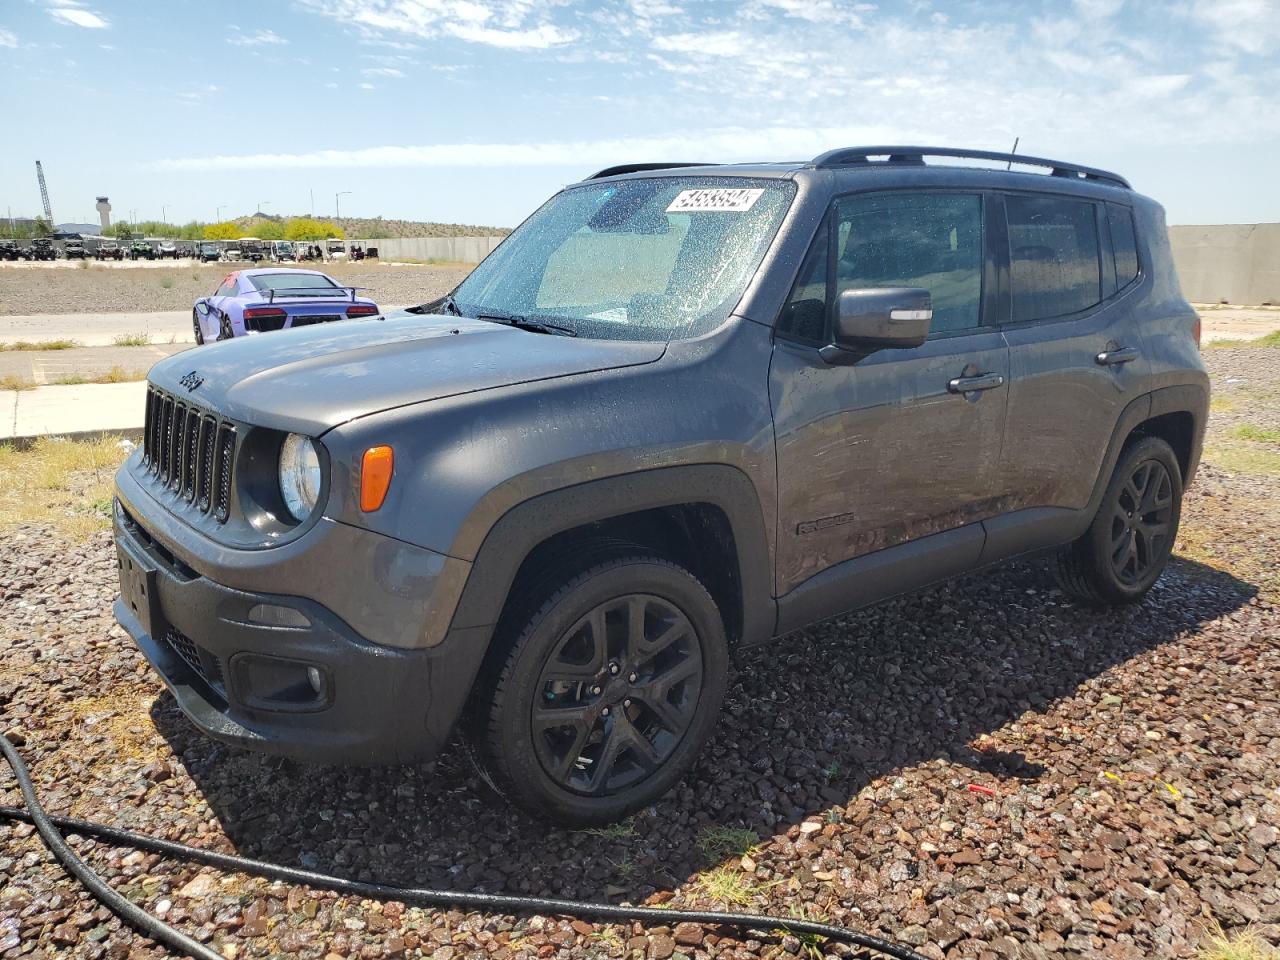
(104, 212)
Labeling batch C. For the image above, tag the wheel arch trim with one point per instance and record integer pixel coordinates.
(527, 524)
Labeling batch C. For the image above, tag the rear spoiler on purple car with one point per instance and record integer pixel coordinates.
(272, 291)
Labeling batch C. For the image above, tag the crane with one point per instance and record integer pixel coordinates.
(44, 194)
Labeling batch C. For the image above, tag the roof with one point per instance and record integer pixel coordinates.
(260, 271)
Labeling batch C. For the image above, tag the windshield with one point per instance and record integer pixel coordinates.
(652, 259)
(312, 284)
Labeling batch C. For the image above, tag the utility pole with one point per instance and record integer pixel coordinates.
(218, 213)
(163, 218)
(313, 203)
(337, 214)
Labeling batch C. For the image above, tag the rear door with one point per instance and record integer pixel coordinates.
(1075, 347)
(886, 449)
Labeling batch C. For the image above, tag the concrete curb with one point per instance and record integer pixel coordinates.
(78, 411)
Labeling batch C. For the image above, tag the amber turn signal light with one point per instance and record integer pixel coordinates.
(375, 477)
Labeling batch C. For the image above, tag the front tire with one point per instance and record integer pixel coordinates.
(1127, 546)
(199, 333)
(607, 693)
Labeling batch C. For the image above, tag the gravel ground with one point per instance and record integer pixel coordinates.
(985, 770)
(103, 288)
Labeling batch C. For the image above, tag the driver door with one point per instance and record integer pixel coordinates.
(887, 448)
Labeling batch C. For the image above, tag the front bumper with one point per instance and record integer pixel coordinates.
(376, 704)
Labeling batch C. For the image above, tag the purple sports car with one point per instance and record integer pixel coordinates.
(257, 301)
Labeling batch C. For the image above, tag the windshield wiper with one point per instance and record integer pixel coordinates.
(527, 323)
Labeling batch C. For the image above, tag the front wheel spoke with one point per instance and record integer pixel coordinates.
(578, 716)
(1155, 531)
(674, 719)
(666, 681)
(651, 648)
(565, 762)
(1151, 490)
(644, 751)
(610, 747)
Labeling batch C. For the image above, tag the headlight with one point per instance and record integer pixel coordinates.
(299, 475)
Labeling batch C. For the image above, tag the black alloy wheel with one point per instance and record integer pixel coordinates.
(1141, 522)
(617, 695)
(195, 323)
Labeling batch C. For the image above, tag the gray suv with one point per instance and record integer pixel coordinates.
(681, 409)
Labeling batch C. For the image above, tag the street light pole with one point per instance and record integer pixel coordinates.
(337, 213)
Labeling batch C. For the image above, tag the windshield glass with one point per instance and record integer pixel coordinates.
(652, 259)
(312, 284)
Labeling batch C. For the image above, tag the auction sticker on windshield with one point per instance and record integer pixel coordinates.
(715, 200)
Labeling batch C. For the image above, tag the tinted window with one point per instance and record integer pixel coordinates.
(805, 315)
(929, 240)
(1053, 249)
(1124, 244)
(291, 280)
(228, 288)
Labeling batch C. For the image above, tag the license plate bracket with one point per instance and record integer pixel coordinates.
(138, 588)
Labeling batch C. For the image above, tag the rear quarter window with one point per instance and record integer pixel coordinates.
(1053, 256)
(1124, 244)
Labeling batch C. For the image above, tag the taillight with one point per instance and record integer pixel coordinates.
(263, 313)
(1195, 331)
(362, 310)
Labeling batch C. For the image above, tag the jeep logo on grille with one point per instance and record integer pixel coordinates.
(191, 380)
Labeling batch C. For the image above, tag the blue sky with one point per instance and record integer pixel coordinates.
(475, 110)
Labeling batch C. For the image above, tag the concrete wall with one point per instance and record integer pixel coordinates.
(1232, 263)
(462, 249)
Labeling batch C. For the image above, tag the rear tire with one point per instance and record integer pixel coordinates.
(606, 694)
(1127, 546)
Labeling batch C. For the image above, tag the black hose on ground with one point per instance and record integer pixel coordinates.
(47, 826)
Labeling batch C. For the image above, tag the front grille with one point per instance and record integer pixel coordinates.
(190, 451)
(204, 663)
(309, 319)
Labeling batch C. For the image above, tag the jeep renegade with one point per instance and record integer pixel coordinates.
(681, 409)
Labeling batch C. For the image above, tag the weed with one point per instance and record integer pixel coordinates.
(61, 484)
(116, 374)
(1243, 457)
(28, 345)
(727, 885)
(12, 381)
(810, 943)
(132, 340)
(717, 843)
(167, 282)
(1247, 431)
(622, 830)
(1271, 339)
(1246, 945)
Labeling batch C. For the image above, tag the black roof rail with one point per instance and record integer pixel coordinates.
(622, 168)
(915, 156)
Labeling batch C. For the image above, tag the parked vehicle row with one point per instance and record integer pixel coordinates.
(251, 249)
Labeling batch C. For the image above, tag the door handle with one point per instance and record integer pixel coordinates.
(1109, 358)
(982, 381)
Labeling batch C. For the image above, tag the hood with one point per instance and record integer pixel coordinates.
(312, 379)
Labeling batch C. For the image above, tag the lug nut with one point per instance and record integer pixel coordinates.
(596, 691)
(614, 669)
(626, 703)
(632, 678)
(604, 712)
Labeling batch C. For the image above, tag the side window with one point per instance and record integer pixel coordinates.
(1053, 256)
(805, 315)
(227, 288)
(1124, 243)
(929, 240)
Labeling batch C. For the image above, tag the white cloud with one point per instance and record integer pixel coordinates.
(7, 39)
(382, 72)
(1252, 26)
(259, 38)
(723, 43)
(73, 13)
(367, 86)
(732, 143)
(506, 24)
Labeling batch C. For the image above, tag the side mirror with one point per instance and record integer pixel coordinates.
(203, 307)
(877, 318)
